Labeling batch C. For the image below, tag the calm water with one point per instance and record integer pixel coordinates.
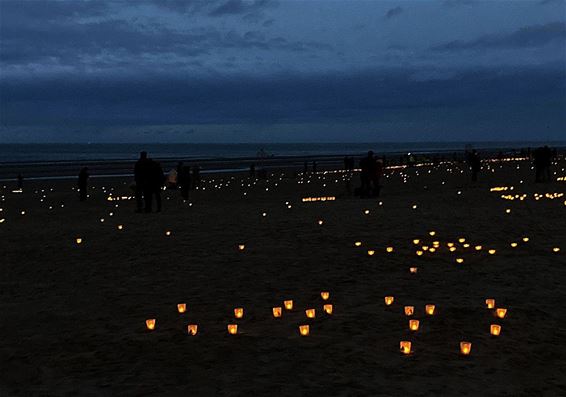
(70, 152)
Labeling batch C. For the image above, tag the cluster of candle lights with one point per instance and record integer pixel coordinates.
(232, 328)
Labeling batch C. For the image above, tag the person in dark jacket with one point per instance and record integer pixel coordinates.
(83, 180)
(155, 181)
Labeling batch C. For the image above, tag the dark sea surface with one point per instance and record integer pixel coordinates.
(23, 153)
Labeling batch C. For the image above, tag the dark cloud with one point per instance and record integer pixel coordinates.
(528, 36)
(235, 7)
(456, 3)
(393, 12)
(283, 98)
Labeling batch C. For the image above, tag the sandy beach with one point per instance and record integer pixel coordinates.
(74, 315)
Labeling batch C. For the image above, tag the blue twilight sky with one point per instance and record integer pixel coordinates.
(282, 71)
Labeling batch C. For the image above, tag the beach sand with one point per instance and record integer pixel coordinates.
(73, 315)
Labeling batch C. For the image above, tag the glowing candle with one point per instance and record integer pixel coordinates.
(168, 233)
(120, 227)
(405, 347)
(452, 249)
(513, 245)
(304, 330)
(478, 247)
(79, 240)
(413, 325)
(371, 252)
(320, 222)
(495, 329)
(525, 239)
(325, 295)
(416, 241)
(389, 300)
(461, 240)
(192, 329)
(232, 329)
(328, 308)
(358, 243)
(465, 348)
(419, 253)
(413, 269)
(409, 310)
(389, 249)
(459, 260)
(491, 252)
(181, 307)
(150, 324)
(239, 312)
(277, 311)
(490, 303)
(429, 309)
(311, 313)
(432, 233)
(501, 312)
(556, 249)
(241, 247)
(288, 304)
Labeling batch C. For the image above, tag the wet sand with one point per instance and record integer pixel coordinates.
(73, 315)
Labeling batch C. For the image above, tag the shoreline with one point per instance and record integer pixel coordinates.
(111, 168)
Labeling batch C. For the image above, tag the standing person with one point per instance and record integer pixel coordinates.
(83, 179)
(305, 168)
(314, 167)
(365, 174)
(185, 181)
(141, 176)
(156, 179)
(475, 163)
(376, 177)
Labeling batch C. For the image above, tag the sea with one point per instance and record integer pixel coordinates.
(27, 153)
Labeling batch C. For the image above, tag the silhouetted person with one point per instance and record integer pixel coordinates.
(83, 181)
(20, 179)
(156, 178)
(543, 160)
(141, 176)
(314, 167)
(367, 165)
(184, 175)
(252, 170)
(475, 164)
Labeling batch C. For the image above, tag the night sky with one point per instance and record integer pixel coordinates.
(282, 71)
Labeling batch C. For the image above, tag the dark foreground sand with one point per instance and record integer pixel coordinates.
(73, 316)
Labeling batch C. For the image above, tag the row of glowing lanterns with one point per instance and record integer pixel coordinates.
(304, 330)
(465, 347)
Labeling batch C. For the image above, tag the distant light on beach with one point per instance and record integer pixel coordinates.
(192, 329)
(405, 347)
(325, 295)
(150, 324)
(181, 307)
(389, 300)
(328, 308)
(310, 313)
(465, 348)
(414, 325)
(490, 303)
(501, 312)
(288, 304)
(304, 330)
(239, 312)
(495, 329)
(429, 309)
(79, 240)
(409, 310)
(276, 311)
(232, 329)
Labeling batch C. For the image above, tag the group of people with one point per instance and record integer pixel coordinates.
(149, 179)
(370, 175)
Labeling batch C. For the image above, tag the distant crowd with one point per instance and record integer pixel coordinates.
(150, 179)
